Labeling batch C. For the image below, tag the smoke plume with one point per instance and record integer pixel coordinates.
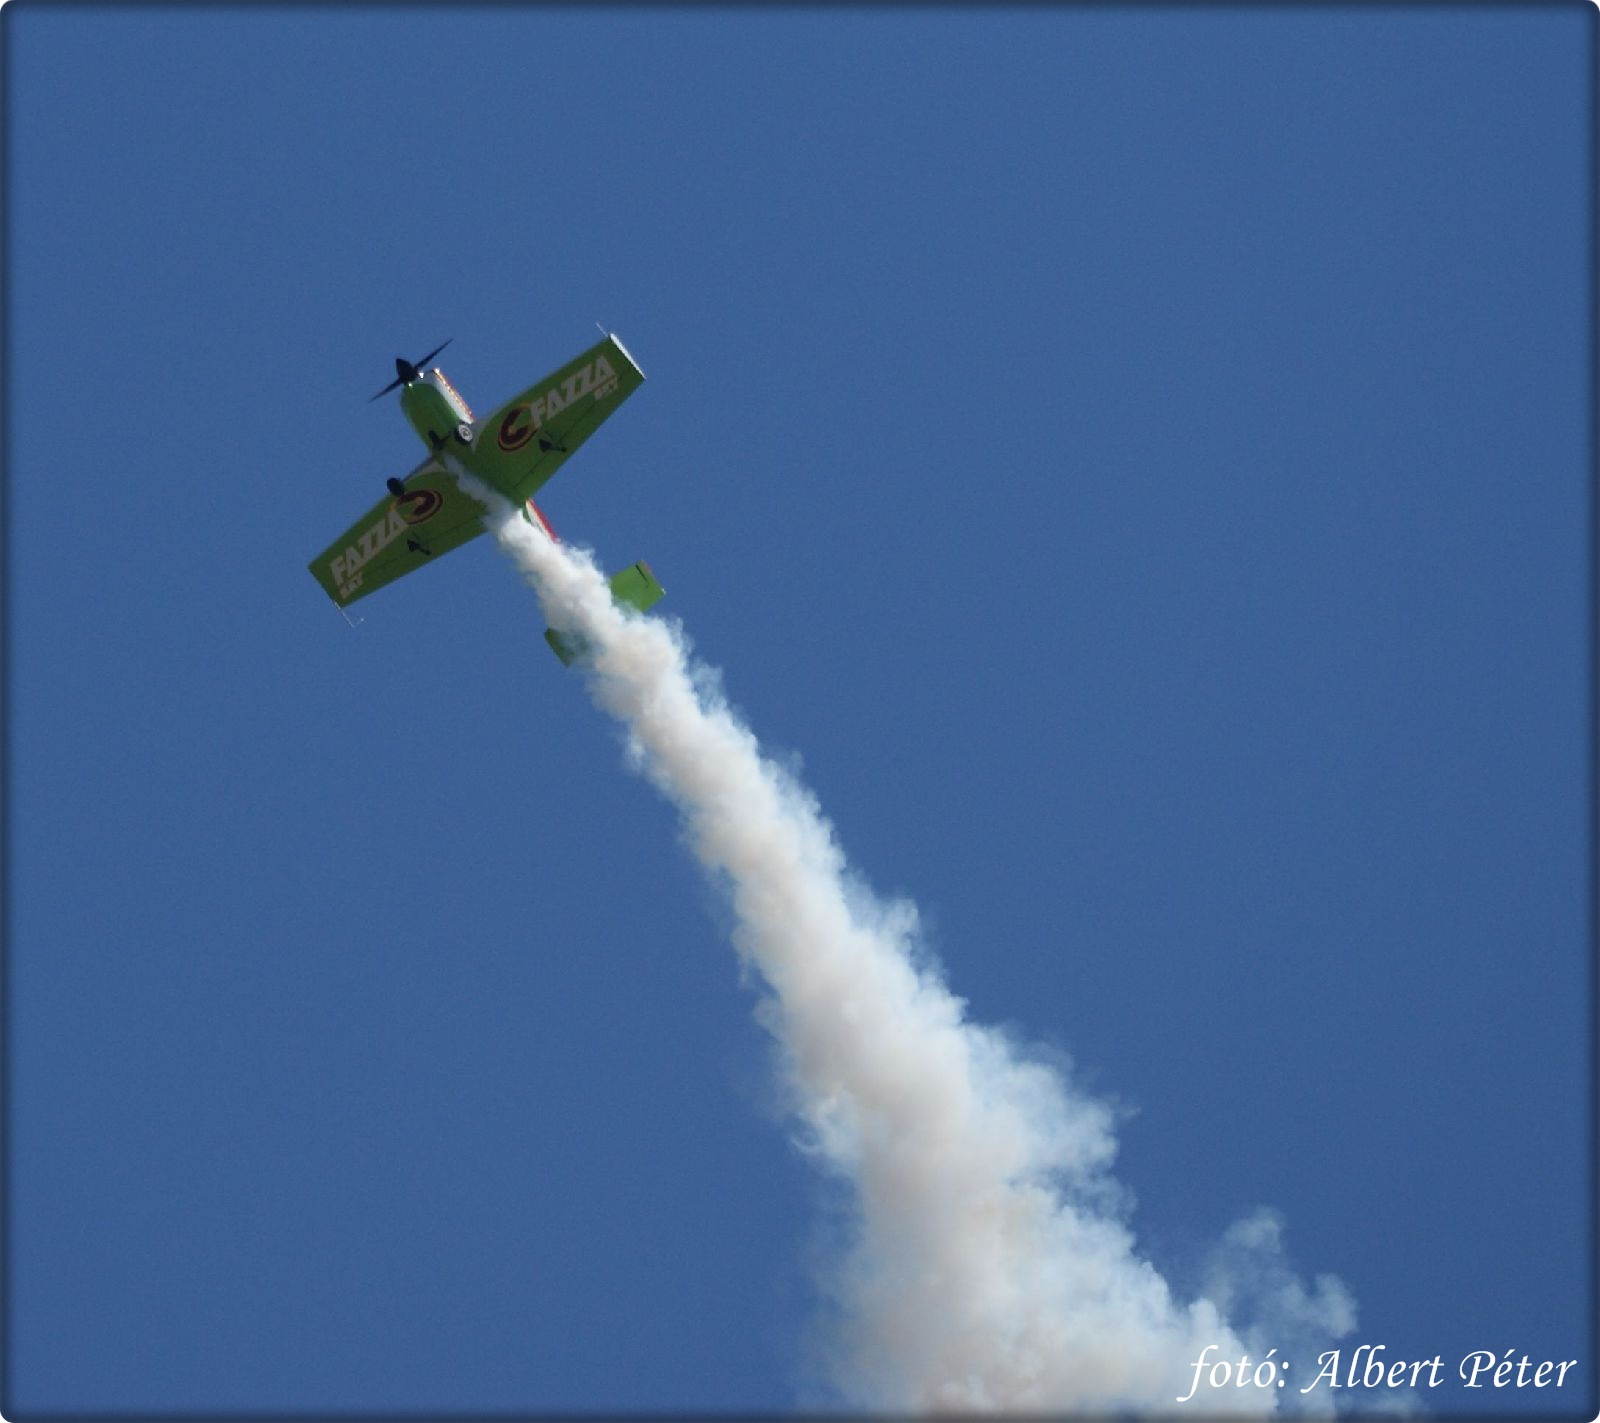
(988, 1267)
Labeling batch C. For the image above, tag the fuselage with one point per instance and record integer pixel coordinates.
(434, 407)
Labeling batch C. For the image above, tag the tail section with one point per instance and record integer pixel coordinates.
(635, 587)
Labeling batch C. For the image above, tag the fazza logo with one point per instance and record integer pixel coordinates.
(517, 428)
(596, 379)
(419, 505)
(412, 508)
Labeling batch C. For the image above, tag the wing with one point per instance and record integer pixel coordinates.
(525, 441)
(399, 534)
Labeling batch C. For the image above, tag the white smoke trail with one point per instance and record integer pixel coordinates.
(989, 1270)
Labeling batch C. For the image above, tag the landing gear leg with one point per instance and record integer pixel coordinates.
(397, 488)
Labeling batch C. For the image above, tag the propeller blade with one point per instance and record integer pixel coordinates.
(379, 396)
(434, 352)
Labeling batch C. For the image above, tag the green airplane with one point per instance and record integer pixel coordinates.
(516, 451)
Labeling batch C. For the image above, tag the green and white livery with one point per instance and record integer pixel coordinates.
(516, 450)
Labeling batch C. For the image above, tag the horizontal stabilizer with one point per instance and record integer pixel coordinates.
(635, 587)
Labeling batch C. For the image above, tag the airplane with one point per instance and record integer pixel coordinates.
(516, 450)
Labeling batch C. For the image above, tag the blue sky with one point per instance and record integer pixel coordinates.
(1135, 462)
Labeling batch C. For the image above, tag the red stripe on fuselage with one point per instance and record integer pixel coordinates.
(538, 513)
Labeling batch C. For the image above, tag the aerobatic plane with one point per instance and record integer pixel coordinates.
(516, 451)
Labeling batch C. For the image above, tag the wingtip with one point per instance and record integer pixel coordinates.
(626, 353)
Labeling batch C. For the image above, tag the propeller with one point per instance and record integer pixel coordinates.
(408, 371)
